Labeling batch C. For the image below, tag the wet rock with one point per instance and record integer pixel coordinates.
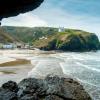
(11, 86)
(6, 94)
(50, 88)
(29, 97)
(52, 97)
(8, 91)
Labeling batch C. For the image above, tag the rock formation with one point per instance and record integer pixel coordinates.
(10, 8)
(70, 40)
(50, 88)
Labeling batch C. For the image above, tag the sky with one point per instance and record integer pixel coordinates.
(77, 14)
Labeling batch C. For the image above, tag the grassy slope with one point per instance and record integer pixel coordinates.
(71, 40)
(4, 37)
(26, 34)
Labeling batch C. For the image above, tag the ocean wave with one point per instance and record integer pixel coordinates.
(86, 66)
(80, 56)
(63, 69)
(74, 77)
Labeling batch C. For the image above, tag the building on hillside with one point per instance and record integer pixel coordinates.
(8, 46)
(27, 46)
(61, 29)
(20, 45)
(16, 45)
(43, 38)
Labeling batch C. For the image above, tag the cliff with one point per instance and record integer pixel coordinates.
(48, 38)
(70, 40)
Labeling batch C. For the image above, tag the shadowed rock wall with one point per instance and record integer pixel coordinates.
(10, 8)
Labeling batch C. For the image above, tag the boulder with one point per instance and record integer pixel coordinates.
(11, 86)
(50, 88)
(8, 91)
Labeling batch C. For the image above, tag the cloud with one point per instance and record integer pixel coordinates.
(28, 20)
(77, 14)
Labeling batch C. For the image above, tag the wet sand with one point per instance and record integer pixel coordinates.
(15, 73)
(18, 64)
(15, 63)
(43, 63)
(47, 65)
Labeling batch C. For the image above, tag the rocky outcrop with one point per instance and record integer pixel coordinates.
(10, 8)
(73, 40)
(50, 88)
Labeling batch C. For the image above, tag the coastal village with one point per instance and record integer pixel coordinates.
(22, 45)
(15, 46)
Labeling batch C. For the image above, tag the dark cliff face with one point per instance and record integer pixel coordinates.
(73, 40)
(10, 8)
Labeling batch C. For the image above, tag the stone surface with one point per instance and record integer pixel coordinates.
(8, 91)
(50, 88)
(10, 8)
(7, 95)
(10, 85)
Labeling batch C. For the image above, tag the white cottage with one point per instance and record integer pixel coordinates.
(61, 29)
(8, 46)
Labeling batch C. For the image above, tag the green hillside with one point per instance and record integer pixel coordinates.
(48, 38)
(5, 37)
(70, 40)
(26, 34)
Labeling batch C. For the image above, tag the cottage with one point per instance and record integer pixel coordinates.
(61, 29)
(27, 46)
(20, 45)
(8, 46)
(43, 37)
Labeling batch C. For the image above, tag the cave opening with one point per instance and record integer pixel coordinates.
(9, 8)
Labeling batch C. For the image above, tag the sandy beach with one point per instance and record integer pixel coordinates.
(18, 64)
(14, 65)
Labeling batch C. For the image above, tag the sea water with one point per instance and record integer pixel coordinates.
(84, 67)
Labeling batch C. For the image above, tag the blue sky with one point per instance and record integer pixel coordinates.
(80, 14)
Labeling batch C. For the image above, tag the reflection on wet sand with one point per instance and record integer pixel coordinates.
(15, 63)
(7, 72)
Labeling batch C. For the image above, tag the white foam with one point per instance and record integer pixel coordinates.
(63, 69)
(35, 72)
(80, 80)
(86, 66)
(86, 82)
